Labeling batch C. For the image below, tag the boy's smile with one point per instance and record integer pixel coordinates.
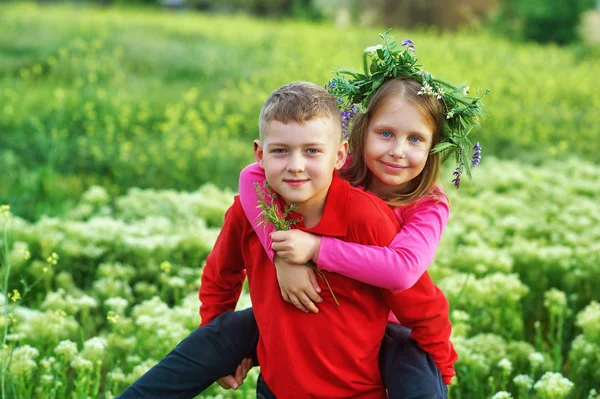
(299, 160)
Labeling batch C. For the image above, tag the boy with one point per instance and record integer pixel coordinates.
(334, 353)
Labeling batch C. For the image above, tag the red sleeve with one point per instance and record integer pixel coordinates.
(424, 309)
(224, 273)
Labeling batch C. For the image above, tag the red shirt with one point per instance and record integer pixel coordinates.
(334, 353)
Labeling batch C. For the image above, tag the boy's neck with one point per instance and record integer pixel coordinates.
(311, 213)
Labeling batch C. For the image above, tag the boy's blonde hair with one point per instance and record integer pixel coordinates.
(425, 183)
(298, 102)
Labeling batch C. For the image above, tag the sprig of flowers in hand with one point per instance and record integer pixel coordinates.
(271, 213)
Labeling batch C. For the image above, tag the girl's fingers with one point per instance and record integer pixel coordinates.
(315, 284)
(307, 302)
(297, 303)
(286, 297)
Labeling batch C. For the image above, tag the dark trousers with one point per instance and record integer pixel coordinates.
(215, 350)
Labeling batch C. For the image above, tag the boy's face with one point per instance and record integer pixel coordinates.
(299, 159)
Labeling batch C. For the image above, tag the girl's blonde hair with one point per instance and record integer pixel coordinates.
(425, 183)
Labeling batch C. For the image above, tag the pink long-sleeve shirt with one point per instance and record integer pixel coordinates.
(396, 267)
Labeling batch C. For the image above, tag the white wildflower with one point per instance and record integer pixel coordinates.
(536, 359)
(23, 361)
(176, 282)
(117, 304)
(505, 365)
(66, 350)
(80, 364)
(372, 50)
(553, 385)
(502, 395)
(555, 301)
(523, 381)
(94, 348)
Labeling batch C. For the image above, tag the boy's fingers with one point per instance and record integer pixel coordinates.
(306, 301)
(247, 366)
(228, 382)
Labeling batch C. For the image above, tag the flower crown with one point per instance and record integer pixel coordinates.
(385, 62)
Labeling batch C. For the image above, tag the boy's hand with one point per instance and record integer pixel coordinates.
(296, 246)
(298, 285)
(234, 382)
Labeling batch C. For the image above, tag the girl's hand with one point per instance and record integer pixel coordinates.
(298, 285)
(234, 382)
(296, 246)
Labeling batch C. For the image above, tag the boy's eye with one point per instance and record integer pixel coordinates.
(312, 151)
(387, 134)
(278, 151)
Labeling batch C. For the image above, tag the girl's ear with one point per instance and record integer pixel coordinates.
(258, 153)
(341, 155)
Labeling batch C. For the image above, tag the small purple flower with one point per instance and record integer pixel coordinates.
(408, 42)
(347, 112)
(410, 45)
(457, 173)
(476, 155)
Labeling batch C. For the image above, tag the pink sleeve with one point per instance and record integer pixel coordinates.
(248, 176)
(400, 265)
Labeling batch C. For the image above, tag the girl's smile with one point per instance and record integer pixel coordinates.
(397, 145)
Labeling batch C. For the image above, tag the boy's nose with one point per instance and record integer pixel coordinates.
(295, 165)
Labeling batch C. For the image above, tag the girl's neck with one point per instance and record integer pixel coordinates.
(384, 190)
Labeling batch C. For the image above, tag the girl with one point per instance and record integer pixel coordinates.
(391, 143)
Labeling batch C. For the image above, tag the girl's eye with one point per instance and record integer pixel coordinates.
(414, 139)
(386, 134)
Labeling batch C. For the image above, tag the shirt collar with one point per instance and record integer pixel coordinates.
(334, 221)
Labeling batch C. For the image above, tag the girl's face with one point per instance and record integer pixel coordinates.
(397, 146)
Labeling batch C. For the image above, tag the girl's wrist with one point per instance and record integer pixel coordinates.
(316, 250)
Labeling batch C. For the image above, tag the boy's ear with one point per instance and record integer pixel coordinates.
(258, 153)
(342, 154)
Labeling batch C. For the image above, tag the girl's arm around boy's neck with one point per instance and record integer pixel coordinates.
(396, 267)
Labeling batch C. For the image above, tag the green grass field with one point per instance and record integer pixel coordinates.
(159, 100)
(122, 133)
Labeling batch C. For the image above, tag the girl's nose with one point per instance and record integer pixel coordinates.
(398, 151)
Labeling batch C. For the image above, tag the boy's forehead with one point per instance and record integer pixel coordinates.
(321, 130)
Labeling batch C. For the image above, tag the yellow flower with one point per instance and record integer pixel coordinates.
(5, 211)
(15, 296)
(112, 317)
(466, 90)
(52, 259)
(165, 267)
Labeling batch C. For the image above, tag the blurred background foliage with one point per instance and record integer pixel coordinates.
(122, 96)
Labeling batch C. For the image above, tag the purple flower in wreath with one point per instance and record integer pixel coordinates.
(476, 155)
(409, 44)
(457, 173)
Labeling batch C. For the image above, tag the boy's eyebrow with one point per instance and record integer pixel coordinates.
(312, 144)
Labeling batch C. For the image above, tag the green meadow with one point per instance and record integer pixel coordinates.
(122, 133)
